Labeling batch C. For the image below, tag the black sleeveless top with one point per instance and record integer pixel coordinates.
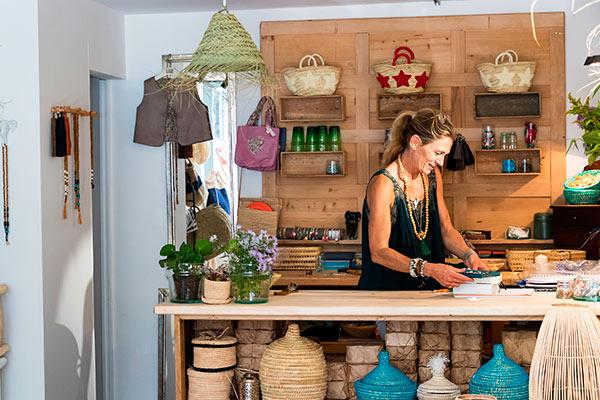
(403, 240)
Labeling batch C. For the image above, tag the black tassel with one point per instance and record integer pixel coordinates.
(460, 155)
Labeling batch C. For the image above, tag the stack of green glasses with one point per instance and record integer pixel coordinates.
(318, 138)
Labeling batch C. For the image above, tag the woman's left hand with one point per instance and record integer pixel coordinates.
(475, 263)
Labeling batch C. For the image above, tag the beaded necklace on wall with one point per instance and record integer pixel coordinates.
(5, 189)
(421, 235)
(76, 188)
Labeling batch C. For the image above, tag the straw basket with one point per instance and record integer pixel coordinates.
(312, 79)
(211, 353)
(209, 385)
(257, 220)
(404, 74)
(293, 368)
(578, 255)
(519, 260)
(297, 258)
(507, 74)
(566, 360)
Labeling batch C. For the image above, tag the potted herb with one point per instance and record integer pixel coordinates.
(216, 285)
(251, 258)
(588, 119)
(185, 269)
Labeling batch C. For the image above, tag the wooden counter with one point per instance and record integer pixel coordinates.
(351, 305)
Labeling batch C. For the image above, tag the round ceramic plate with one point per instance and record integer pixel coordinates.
(480, 274)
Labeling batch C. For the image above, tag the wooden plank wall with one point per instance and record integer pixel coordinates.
(455, 45)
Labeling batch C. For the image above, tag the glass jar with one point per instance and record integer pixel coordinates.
(184, 285)
(564, 289)
(488, 138)
(249, 285)
(512, 140)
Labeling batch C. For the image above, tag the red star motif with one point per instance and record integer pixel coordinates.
(383, 80)
(422, 80)
(402, 79)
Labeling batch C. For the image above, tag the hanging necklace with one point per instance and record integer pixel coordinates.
(5, 189)
(76, 188)
(421, 235)
(92, 114)
(65, 117)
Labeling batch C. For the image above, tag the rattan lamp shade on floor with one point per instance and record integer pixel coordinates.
(293, 368)
(566, 361)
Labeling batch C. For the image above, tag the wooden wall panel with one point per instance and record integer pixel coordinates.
(455, 44)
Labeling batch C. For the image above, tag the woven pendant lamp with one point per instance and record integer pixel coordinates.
(226, 47)
(566, 361)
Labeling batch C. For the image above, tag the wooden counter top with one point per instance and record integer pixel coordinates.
(354, 305)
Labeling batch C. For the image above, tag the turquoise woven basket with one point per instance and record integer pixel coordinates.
(385, 382)
(590, 172)
(501, 377)
(581, 196)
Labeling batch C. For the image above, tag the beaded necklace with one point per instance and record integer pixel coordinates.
(5, 189)
(421, 235)
(76, 188)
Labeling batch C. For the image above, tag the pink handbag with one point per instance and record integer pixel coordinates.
(257, 147)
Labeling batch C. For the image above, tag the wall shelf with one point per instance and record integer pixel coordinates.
(390, 105)
(507, 105)
(311, 163)
(319, 242)
(311, 108)
(489, 162)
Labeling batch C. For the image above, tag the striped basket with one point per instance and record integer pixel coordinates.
(404, 74)
(209, 385)
(297, 258)
(214, 353)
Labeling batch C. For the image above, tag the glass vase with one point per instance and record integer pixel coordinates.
(249, 285)
(184, 284)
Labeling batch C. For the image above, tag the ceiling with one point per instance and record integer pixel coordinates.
(176, 6)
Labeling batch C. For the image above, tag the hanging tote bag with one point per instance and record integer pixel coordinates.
(257, 147)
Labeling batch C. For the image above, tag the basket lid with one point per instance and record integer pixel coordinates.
(206, 341)
(500, 372)
(387, 377)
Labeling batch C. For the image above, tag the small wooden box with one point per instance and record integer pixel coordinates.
(313, 108)
(313, 164)
(390, 105)
(507, 105)
(489, 162)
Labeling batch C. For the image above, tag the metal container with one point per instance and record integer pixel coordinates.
(249, 387)
(542, 226)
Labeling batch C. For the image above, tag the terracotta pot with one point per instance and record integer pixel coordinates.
(216, 292)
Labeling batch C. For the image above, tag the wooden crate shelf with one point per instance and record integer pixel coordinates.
(312, 108)
(390, 105)
(489, 162)
(319, 242)
(507, 105)
(311, 164)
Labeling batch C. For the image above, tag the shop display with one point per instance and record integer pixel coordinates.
(385, 382)
(507, 73)
(404, 74)
(293, 368)
(313, 79)
(566, 361)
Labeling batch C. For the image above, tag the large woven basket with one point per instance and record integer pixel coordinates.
(209, 385)
(257, 220)
(404, 74)
(312, 79)
(214, 353)
(507, 73)
(297, 258)
(293, 368)
(519, 260)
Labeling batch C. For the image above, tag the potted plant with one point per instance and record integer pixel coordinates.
(185, 269)
(216, 285)
(251, 258)
(588, 119)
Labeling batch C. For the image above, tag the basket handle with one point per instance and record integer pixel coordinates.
(408, 54)
(319, 57)
(311, 59)
(510, 54)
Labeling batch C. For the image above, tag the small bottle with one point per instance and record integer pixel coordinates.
(488, 138)
(530, 134)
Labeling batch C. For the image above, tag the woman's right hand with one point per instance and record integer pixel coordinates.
(446, 275)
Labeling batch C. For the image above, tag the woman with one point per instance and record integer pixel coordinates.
(406, 224)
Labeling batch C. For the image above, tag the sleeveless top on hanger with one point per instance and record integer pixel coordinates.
(403, 240)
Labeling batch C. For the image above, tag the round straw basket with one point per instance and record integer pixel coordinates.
(404, 74)
(293, 368)
(214, 353)
(507, 74)
(519, 260)
(209, 385)
(313, 79)
(556, 254)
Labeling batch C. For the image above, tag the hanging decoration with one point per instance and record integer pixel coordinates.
(6, 127)
(226, 47)
(92, 115)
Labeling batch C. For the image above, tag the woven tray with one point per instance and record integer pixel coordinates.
(298, 258)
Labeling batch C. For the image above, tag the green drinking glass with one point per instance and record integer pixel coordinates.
(298, 138)
(312, 142)
(335, 138)
(323, 138)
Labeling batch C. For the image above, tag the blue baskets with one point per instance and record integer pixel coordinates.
(584, 195)
(501, 377)
(385, 383)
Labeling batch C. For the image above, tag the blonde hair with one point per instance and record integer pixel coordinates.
(427, 124)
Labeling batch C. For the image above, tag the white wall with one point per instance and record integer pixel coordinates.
(45, 48)
(138, 171)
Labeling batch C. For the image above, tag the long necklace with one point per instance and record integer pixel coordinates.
(76, 188)
(5, 189)
(65, 117)
(421, 235)
(92, 114)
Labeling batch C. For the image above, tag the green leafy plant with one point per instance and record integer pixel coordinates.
(588, 119)
(181, 260)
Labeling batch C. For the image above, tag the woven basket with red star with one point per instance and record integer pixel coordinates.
(404, 74)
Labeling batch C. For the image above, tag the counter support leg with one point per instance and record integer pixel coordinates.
(180, 373)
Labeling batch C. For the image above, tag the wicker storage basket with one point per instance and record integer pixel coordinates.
(406, 76)
(209, 385)
(578, 255)
(293, 368)
(519, 260)
(556, 254)
(257, 220)
(298, 258)
(507, 74)
(211, 353)
(313, 79)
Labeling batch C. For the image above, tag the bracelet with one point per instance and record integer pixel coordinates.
(416, 267)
